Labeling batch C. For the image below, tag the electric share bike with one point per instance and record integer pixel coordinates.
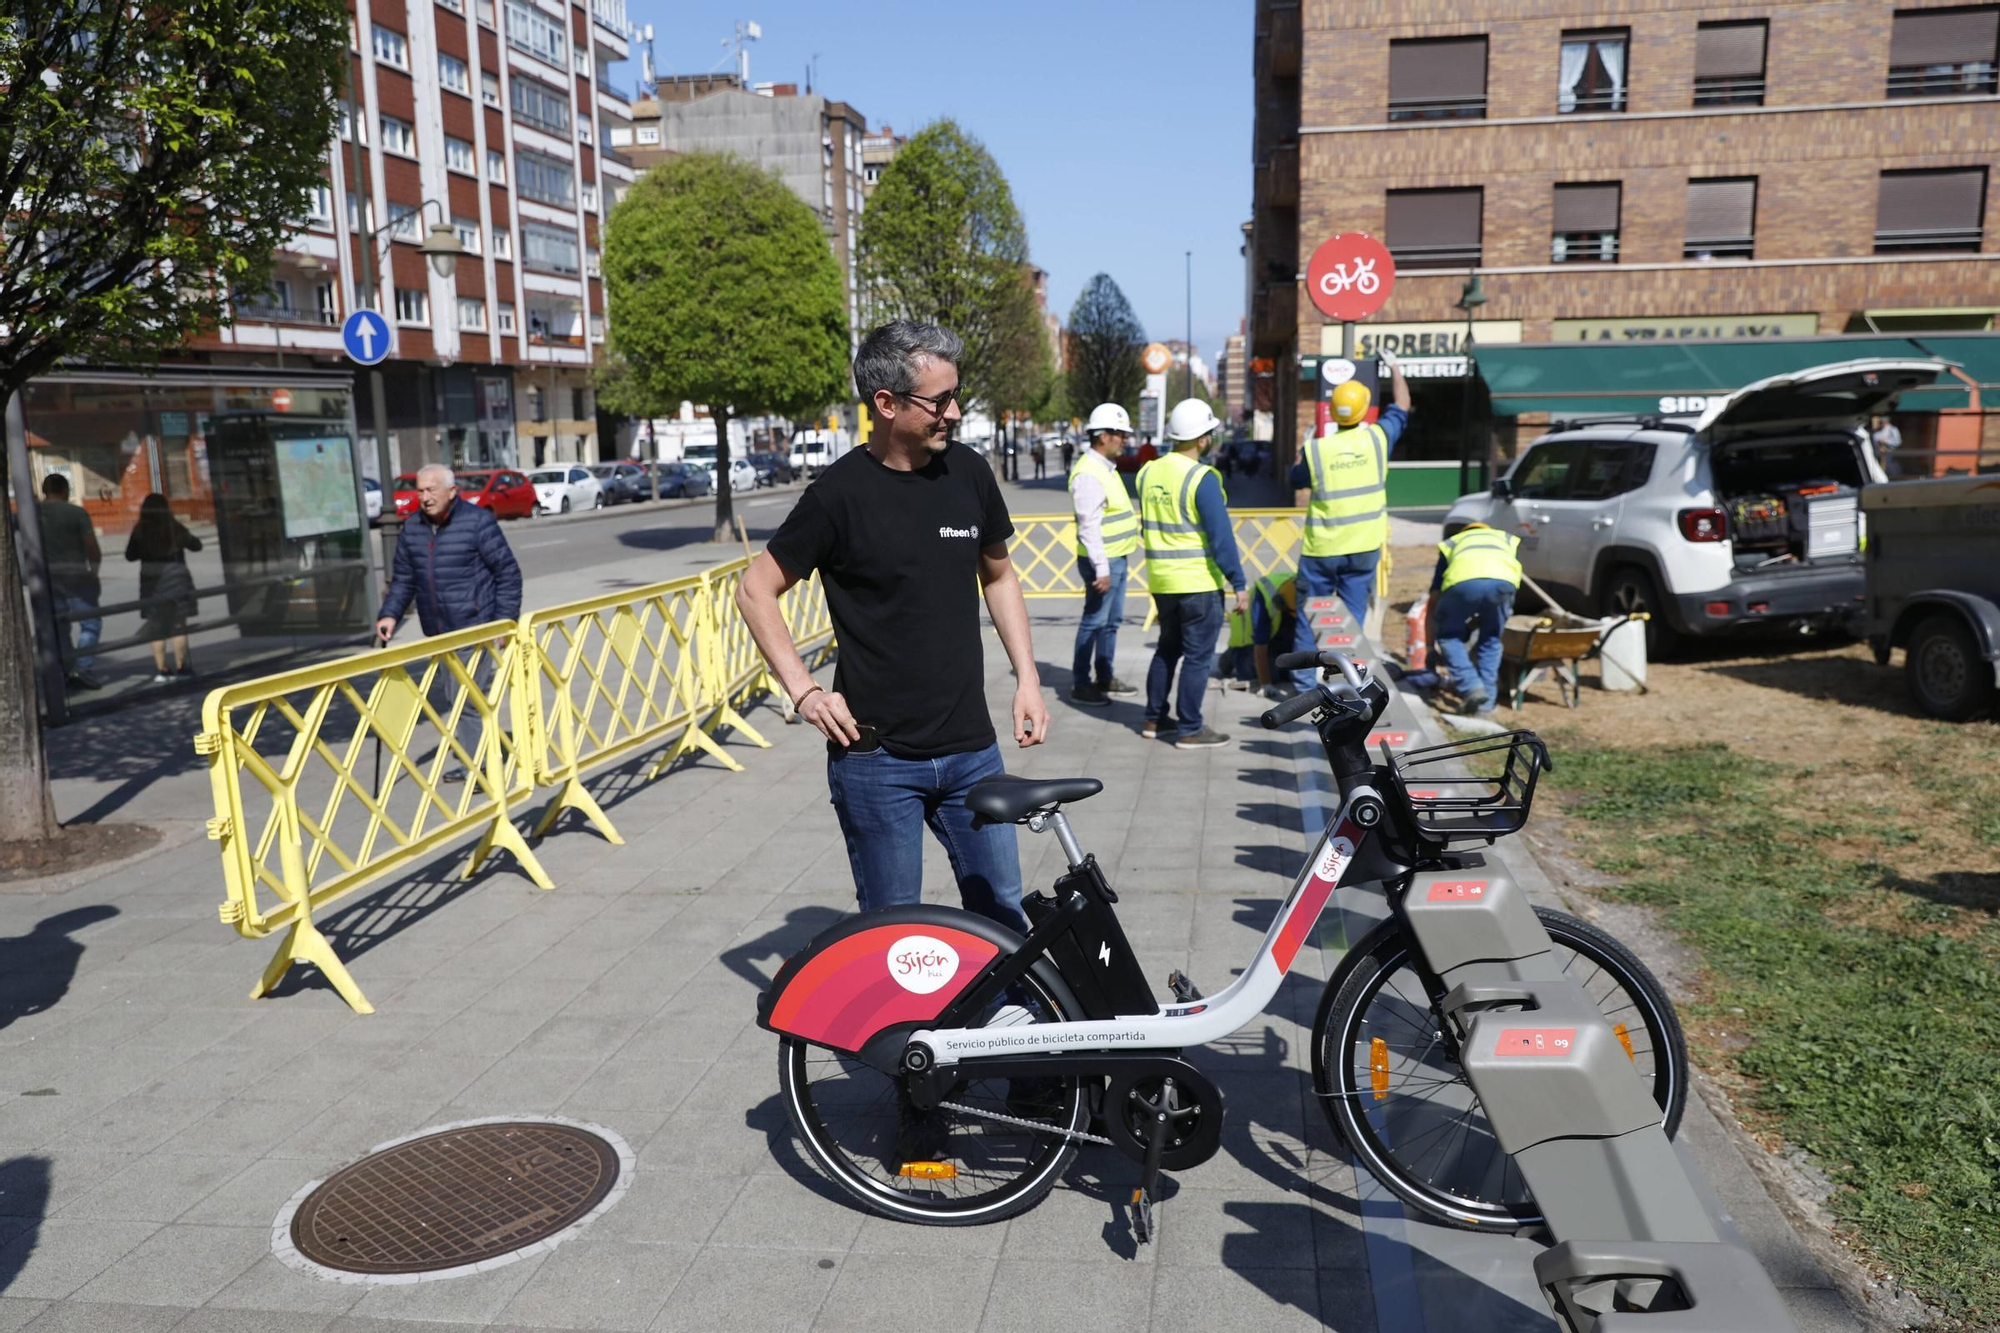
(943, 1070)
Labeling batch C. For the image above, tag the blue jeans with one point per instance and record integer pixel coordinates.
(1351, 577)
(87, 630)
(1190, 624)
(1097, 632)
(884, 803)
(1484, 605)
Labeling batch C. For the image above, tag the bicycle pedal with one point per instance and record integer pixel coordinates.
(1145, 1224)
(1185, 991)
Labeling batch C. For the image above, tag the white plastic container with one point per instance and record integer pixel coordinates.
(1622, 660)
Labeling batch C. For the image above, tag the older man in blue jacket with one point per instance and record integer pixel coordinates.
(453, 563)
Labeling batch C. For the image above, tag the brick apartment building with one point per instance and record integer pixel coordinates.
(494, 117)
(1766, 177)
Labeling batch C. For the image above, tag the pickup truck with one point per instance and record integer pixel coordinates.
(1933, 572)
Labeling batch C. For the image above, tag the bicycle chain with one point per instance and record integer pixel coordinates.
(1022, 1123)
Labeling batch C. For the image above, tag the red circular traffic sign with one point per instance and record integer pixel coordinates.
(1350, 276)
(281, 400)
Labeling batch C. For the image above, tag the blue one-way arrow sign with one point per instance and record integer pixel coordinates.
(366, 336)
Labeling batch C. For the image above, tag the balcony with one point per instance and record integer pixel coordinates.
(609, 28)
(1746, 91)
(1287, 42)
(272, 312)
(1284, 177)
(1963, 79)
(1469, 107)
(1720, 247)
(1464, 255)
(1583, 247)
(614, 101)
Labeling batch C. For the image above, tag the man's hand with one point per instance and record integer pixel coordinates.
(1102, 583)
(828, 711)
(1031, 714)
(385, 629)
(1242, 601)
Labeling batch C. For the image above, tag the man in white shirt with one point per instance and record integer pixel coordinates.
(1107, 534)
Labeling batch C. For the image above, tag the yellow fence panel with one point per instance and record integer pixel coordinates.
(1043, 548)
(359, 767)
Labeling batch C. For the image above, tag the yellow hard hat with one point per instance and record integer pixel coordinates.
(1350, 402)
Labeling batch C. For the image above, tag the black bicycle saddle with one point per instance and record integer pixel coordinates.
(1006, 799)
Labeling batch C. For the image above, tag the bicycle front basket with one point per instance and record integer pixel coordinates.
(1469, 791)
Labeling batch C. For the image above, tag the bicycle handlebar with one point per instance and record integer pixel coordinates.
(1300, 704)
(1292, 709)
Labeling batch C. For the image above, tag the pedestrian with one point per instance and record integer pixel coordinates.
(1887, 441)
(70, 549)
(1041, 456)
(1274, 606)
(453, 563)
(1472, 589)
(1190, 559)
(1107, 534)
(1342, 484)
(1069, 455)
(160, 543)
(898, 532)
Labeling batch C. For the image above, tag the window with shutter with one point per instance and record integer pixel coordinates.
(1586, 224)
(1729, 63)
(1930, 210)
(1437, 78)
(1434, 228)
(1944, 52)
(1721, 218)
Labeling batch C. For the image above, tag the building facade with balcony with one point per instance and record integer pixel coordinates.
(494, 118)
(1618, 174)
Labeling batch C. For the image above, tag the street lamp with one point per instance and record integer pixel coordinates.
(1470, 298)
(442, 246)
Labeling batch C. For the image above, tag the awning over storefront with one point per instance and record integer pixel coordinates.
(1659, 378)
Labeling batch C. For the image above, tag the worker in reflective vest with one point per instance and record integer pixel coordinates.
(1107, 534)
(1190, 560)
(1274, 602)
(1472, 589)
(1341, 481)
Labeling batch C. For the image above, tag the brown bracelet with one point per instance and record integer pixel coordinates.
(800, 701)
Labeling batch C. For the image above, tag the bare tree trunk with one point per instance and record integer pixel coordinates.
(27, 811)
(725, 514)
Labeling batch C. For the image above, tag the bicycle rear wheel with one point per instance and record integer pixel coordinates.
(948, 1167)
(1426, 1138)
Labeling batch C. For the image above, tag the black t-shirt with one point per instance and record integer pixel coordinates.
(898, 555)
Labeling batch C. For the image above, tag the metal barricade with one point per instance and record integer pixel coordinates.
(316, 821)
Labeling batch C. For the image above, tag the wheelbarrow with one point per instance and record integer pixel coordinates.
(1552, 645)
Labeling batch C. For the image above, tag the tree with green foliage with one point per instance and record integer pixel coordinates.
(1106, 340)
(152, 158)
(720, 288)
(942, 242)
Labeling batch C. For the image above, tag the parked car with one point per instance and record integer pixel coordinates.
(371, 498)
(1934, 588)
(623, 483)
(742, 476)
(772, 468)
(505, 492)
(1747, 516)
(404, 496)
(678, 481)
(812, 451)
(701, 456)
(566, 487)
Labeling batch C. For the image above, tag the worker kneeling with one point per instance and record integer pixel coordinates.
(1478, 573)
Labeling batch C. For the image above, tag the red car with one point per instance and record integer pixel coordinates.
(507, 493)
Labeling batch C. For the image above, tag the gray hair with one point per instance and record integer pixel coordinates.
(434, 469)
(889, 355)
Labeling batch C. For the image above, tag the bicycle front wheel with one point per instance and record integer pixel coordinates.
(1424, 1135)
(993, 1152)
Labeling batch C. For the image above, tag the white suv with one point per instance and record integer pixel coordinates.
(1747, 516)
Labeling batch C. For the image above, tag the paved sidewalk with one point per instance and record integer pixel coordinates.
(153, 1121)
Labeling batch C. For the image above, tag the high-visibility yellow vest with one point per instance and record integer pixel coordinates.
(1349, 508)
(1121, 516)
(1177, 558)
(1480, 552)
(1278, 591)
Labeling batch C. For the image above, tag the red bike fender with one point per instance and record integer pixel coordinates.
(853, 987)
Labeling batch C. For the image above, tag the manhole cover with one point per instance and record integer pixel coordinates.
(453, 1200)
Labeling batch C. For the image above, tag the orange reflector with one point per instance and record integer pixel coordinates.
(929, 1171)
(1378, 1068)
(1625, 1041)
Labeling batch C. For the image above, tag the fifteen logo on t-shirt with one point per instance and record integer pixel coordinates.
(972, 532)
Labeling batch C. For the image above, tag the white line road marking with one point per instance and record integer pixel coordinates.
(529, 546)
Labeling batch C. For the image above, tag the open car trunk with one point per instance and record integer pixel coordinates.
(1791, 501)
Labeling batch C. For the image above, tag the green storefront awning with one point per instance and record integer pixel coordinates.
(1576, 379)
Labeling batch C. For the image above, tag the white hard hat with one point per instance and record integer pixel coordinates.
(1190, 420)
(1108, 416)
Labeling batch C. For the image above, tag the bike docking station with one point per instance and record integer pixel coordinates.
(1633, 1248)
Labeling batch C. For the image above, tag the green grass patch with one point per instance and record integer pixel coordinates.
(1872, 1013)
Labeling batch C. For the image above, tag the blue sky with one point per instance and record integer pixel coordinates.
(1123, 128)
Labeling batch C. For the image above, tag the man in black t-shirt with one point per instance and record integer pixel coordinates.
(898, 531)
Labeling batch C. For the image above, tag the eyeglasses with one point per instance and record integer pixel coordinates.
(937, 403)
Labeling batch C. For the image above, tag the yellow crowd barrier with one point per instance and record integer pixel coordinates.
(330, 777)
(1044, 550)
